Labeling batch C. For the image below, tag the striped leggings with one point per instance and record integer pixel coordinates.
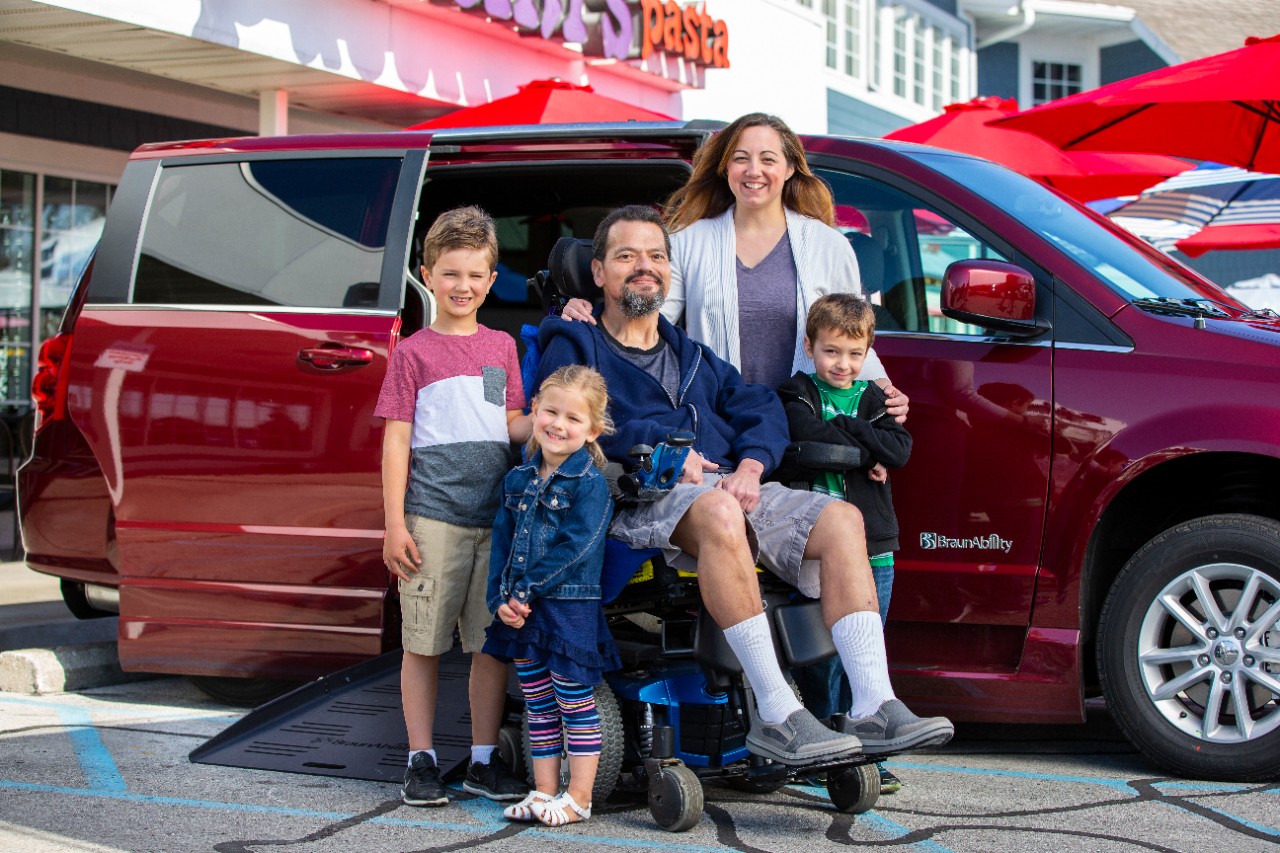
(549, 700)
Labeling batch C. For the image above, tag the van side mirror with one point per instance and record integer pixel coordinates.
(993, 294)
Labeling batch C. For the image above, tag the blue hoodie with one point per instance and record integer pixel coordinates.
(730, 419)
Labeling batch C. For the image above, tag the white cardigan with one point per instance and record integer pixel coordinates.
(705, 255)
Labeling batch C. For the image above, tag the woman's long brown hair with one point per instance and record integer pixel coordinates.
(707, 194)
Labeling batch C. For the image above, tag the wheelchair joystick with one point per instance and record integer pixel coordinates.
(658, 468)
(643, 454)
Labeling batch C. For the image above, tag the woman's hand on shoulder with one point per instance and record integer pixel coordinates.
(896, 402)
(579, 310)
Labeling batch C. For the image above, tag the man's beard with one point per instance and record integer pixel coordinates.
(635, 305)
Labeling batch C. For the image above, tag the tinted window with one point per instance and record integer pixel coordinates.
(904, 247)
(1133, 270)
(305, 233)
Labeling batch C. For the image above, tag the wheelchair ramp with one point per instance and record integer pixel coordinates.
(348, 724)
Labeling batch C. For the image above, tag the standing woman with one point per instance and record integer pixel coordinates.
(733, 274)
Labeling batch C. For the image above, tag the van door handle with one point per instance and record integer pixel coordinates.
(333, 358)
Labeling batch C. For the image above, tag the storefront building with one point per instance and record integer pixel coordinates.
(83, 82)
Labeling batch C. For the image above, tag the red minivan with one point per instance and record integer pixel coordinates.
(1092, 504)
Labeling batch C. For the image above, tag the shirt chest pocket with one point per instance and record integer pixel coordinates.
(555, 501)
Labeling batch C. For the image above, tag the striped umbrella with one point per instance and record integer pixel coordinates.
(1211, 207)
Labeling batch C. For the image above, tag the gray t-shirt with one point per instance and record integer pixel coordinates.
(660, 363)
(767, 316)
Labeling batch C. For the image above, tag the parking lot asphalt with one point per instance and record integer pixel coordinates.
(107, 770)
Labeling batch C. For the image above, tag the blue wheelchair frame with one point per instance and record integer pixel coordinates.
(684, 707)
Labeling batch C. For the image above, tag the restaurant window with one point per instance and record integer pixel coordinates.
(49, 226)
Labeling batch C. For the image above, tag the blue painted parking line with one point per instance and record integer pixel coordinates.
(893, 830)
(1257, 827)
(283, 811)
(100, 771)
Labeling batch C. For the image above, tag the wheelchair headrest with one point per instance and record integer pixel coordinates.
(570, 267)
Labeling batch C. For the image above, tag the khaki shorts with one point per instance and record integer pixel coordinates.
(449, 588)
(777, 529)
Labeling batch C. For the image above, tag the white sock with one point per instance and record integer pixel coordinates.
(482, 754)
(752, 643)
(430, 752)
(859, 637)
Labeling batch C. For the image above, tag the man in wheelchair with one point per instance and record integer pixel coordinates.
(720, 512)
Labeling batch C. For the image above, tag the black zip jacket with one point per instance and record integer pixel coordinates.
(883, 440)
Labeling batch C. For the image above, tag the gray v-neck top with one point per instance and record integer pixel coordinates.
(767, 316)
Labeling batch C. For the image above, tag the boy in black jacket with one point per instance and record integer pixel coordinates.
(830, 405)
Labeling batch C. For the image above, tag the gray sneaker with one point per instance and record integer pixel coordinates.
(894, 728)
(799, 740)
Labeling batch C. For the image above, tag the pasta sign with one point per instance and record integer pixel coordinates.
(676, 30)
(609, 27)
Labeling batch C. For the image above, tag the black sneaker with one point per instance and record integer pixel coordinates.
(422, 783)
(494, 780)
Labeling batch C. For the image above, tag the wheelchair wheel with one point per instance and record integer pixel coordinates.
(854, 790)
(676, 800)
(511, 748)
(611, 746)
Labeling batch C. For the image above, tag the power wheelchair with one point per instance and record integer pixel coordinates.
(678, 712)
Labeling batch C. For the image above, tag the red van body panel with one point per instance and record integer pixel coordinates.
(230, 489)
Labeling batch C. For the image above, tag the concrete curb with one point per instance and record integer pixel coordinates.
(62, 669)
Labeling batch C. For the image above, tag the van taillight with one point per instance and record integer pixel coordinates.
(49, 387)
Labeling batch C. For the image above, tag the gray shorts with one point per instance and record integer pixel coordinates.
(777, 530)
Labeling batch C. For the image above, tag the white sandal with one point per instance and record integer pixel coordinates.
(524, 811)
(556, 812)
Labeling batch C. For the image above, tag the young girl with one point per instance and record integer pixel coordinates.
(544, 587)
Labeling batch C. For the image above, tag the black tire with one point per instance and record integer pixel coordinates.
(854, 790)
(611, 746)
(1172, 668)
(511, 748)
(677, 803)
(242, 692)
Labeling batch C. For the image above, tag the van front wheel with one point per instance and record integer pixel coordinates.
(1189, 648)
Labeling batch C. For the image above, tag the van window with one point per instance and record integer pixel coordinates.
(299, 233)
(904, 247)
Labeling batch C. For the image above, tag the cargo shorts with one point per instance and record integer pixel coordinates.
(449, 589)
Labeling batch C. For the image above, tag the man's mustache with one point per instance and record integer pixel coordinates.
(643, 274)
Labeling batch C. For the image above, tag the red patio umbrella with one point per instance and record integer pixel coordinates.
(1224, 108)
(1087, 176)
(544, 102)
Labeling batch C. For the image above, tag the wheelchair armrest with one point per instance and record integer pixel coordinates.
(820, 456)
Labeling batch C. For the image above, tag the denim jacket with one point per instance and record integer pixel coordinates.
(548, 537)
